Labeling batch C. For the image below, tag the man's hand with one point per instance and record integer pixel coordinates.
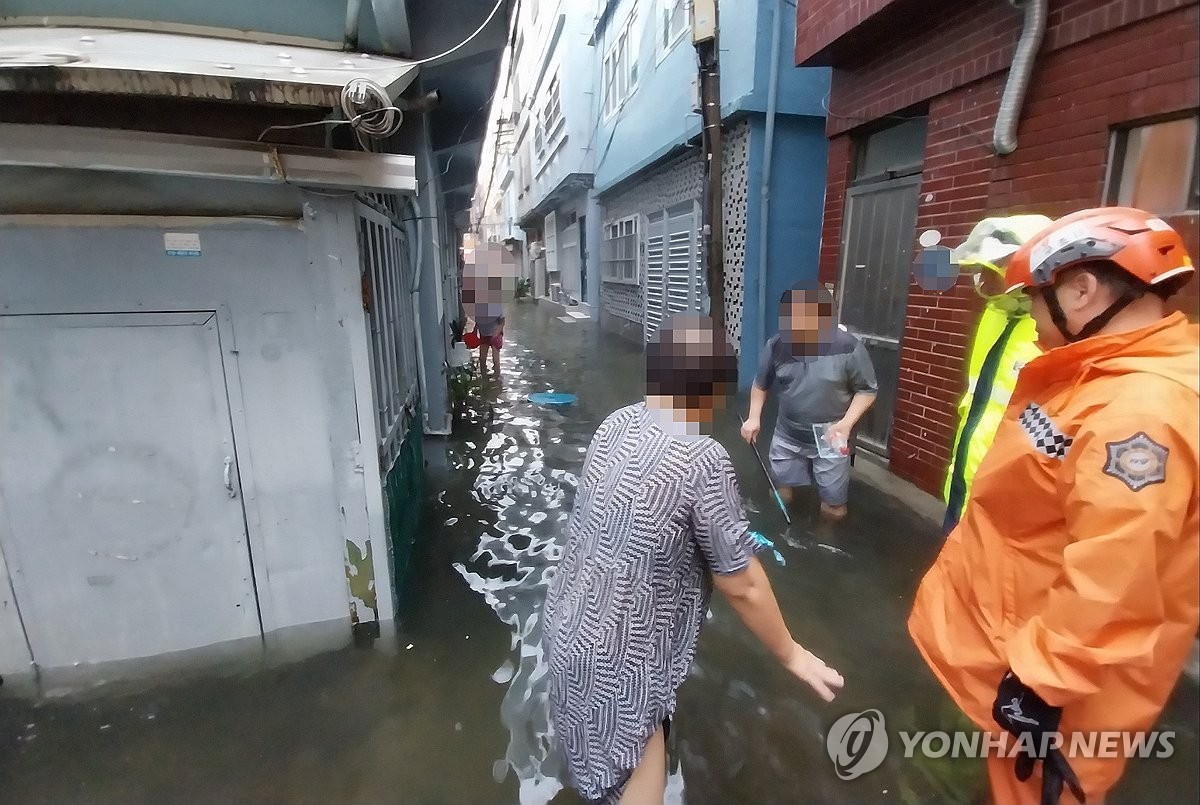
(838, 436)
(812, 670)
(750, 430)
(1021, 712)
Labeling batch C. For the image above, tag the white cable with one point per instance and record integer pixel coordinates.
(379, 122)
(463, 43)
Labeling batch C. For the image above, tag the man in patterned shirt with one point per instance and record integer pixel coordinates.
(658, 521)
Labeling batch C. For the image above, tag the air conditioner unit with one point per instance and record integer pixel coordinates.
(536, 249)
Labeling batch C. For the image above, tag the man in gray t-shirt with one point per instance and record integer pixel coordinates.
(823, 376)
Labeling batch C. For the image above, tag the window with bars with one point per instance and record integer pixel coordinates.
(553, 124)
(619, 252)
(387, 299)
(1156, 167)
(525, 172)
(620, 68)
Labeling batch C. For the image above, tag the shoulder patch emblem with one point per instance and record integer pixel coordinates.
(1139, 461)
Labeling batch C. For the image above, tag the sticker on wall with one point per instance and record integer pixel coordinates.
(181, 244)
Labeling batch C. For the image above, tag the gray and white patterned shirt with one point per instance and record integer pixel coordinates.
(654, 516)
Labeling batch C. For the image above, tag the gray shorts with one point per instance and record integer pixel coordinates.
(800, 465)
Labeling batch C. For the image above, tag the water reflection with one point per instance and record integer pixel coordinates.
(459, 701)
(512, 566)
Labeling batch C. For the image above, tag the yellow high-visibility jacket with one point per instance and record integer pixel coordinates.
(1002, 344)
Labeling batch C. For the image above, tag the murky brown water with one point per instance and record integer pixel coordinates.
(460, 717)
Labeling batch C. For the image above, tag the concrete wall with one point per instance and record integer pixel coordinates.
(555, 45)
(1095, 72)
(293, 296)
(682, 180)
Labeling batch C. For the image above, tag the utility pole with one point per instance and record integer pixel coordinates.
(705, 37)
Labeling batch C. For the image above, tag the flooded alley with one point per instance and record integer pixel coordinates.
(453, 708)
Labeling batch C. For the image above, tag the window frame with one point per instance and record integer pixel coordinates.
(666, 41)
(1118, 151)
(553, 123)
(620, 86)
(619, 229)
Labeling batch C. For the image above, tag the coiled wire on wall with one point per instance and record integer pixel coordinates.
(369, 110)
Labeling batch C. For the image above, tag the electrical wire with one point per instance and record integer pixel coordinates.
(380, 122)
(351, 122)
(463, 43)
(391, 115)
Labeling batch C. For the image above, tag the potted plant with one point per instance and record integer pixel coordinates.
(522, 289)
(464, 386)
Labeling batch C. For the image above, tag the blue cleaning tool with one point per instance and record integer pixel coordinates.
(552, 399)
(767, 544)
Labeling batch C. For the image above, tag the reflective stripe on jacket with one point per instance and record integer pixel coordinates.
(1002, 345)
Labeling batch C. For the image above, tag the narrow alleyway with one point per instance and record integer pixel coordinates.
(454, 710)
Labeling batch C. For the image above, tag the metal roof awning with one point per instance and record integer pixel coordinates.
(78, 148)
(175, 65)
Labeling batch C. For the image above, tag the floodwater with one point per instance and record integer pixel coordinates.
(453, 709)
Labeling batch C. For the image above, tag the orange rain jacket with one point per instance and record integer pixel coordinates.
(1077, 561)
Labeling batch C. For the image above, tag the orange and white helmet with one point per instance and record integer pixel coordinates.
(1136, 241)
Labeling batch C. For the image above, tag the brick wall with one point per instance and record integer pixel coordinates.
(1103, 63)
(820, 22)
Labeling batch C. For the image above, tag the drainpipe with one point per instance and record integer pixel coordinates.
(1004, 137)
(768, 148)
(416, 249)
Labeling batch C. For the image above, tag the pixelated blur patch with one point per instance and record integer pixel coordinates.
(1138, 461)
(935, 270)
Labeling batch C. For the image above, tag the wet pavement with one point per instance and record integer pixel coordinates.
(453, 710)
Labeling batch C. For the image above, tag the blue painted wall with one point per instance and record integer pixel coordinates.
(658, 117)
(794, 225)
(802, 91)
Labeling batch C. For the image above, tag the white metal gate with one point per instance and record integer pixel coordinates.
(672, 283)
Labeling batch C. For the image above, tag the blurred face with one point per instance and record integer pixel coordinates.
(489, 277)
(806, 323)
(683, 371)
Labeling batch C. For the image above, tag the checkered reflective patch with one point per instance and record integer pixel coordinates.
(1044, 434)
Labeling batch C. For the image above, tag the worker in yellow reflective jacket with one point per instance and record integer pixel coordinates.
(1005, 340)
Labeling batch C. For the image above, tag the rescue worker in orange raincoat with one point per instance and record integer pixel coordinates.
(1066, 600)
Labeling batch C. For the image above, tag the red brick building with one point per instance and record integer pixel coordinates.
(1110, 116)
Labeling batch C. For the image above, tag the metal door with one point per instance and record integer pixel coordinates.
(569, 260)
(672, 282)
(126, 535)
(655, 275)
(876, 262)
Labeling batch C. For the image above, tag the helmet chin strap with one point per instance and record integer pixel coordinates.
(1050, 294)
